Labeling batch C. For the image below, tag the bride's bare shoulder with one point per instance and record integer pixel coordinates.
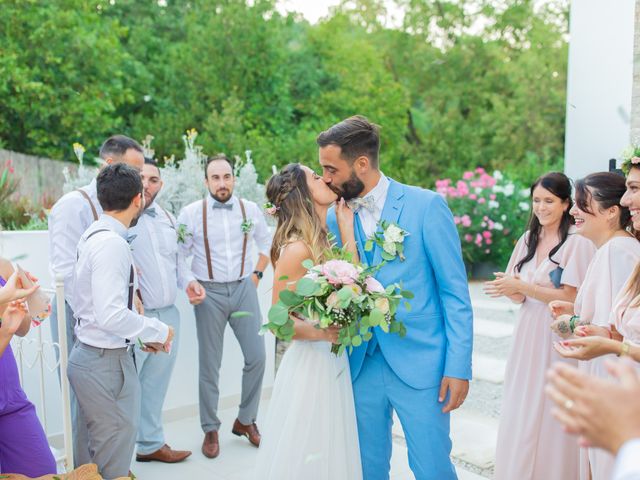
(294, 250)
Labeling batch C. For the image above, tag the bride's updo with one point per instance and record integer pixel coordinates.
(291, 198)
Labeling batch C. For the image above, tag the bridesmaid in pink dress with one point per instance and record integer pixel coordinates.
(602, 219)
(549, 263)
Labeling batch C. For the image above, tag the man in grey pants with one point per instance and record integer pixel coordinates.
(220, 231)
(101, 367)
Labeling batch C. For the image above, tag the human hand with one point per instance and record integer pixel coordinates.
(12, 317)
(167, 344)
(15, 289)
(458, 390)
(255, 279)
(591, 330)
(330, 334)
(137, 303)
(562, 325)
(560, 307)
(587, 348)
(602, 412)
(344, 216)
(503, 285)
(195, 292)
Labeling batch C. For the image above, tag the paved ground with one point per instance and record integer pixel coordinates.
(473, 427)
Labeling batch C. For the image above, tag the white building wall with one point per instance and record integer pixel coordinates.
(599, 83)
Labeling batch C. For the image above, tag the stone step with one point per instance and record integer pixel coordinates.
(491, 328)
(489, 369)
(474, 438)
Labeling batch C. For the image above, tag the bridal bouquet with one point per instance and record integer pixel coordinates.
(339, 292)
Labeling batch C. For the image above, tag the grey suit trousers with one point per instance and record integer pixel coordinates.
(212, 316)
(106, 385)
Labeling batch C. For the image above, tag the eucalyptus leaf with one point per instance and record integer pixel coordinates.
(290, 298)
(356, 341)
(308, 264)
(278, 314)
(241, 314)
(306, 287)
(376, 317)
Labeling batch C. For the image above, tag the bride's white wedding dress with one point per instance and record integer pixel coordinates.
(310, 431)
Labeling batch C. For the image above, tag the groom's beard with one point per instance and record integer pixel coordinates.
(352, 188)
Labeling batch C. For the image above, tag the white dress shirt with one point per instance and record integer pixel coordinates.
(628, 461)
(101, 291)
(69, 218)
(369, 220)
(160, 264)
(225, 239)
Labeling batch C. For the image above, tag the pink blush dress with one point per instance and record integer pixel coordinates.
(531, 444)
(608, 273)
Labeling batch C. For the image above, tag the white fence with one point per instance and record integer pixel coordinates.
(37, 359)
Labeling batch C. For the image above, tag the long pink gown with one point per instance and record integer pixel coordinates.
(626, 316)
(608, 273)
(531, 443)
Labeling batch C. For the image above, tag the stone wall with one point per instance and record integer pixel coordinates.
(38, 176)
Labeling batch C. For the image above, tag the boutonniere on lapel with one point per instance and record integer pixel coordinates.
(246, 226)
(183, 233)
(390, 238)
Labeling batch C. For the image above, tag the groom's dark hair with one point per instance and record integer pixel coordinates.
(356, 136)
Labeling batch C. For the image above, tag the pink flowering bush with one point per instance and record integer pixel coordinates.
(490, 212)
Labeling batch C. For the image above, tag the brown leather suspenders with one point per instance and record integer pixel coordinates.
(207, 250)
(88, 199)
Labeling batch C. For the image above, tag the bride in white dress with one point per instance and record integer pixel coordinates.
(310, 431)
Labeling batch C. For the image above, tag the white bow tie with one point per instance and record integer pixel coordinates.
(368, 203)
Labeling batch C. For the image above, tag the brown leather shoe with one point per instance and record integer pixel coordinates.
(210, 445)
(249, 431)
(165, 454)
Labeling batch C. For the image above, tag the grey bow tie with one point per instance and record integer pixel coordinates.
(151, 211)
(226, 206)
(368, 203)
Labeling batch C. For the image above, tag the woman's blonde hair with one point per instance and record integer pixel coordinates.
(633, 288)
(297, 218)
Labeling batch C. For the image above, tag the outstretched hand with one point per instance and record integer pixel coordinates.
(504, 285)
(195, 292)
(458, 390)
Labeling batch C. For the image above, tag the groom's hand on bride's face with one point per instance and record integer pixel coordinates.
(457, 389)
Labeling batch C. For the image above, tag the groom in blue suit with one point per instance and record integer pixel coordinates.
(424, 375)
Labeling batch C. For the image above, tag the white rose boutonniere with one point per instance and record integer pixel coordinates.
(389, 237)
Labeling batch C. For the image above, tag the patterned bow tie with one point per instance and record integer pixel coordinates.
(226, 206)
(151, 211)
(368, 203)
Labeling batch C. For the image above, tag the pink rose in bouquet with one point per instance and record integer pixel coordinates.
(340, 272)
(373, 285)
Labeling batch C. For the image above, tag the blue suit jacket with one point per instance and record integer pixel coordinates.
(439, 338)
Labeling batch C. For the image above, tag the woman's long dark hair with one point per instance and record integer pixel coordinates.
(559, 185)
(606, 189)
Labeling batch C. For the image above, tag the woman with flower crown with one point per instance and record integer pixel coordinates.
(310, 431)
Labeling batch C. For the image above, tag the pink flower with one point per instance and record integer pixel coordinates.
(442, 183)
(473, 196)
(491, 224)
(492, 196)
(635, 160)
(468, 237)
(452, 192)
(456, 220)
(478, 240)
(467, 175)
(465, 220)
(486, 234)
(373, 285)
(480, 170)
(339, 272)
(482, 200)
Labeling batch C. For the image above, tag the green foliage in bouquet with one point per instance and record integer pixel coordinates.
(339, 292)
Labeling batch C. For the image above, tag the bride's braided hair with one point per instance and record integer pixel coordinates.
(297, 219)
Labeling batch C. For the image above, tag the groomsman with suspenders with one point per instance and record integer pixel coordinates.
(102, 370)
(219, 231)
(162, 269)
(69, 219)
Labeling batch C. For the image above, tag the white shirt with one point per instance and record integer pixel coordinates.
(369, 220)
(68, 220)
(225, 239)
(160, 264)
(101, 291)
(628, 461)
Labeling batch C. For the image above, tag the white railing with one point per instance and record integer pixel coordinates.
(45, 364)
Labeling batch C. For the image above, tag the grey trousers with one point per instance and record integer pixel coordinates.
(107, 388)
(212, 316)
(80, 436)
(154, 371)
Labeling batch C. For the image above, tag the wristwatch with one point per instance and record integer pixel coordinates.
(258, 274)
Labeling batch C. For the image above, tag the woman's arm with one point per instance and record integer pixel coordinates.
(13, 317)
(288, 271)
(587, 348)
(344, 217)
(517, 290)
(7, 272)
